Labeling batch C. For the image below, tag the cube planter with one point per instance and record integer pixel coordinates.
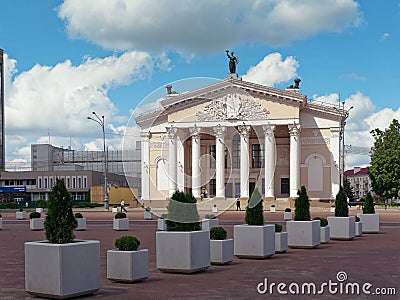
(342, 228)
(148, 215)
(359, 226)
(332, 210)
(370, 223)
(1, 223)
(121, 224)
(288, 215)
(114, 209)
(303, 234)
(39, 209)
(127, 266)
(36, 224)
(325, 234)
(20, 215)
(281, 242)
(207, 224)
(215, 209)
(81, 224)
(251, 241)
(272, 209)
(183, 251)
(221, 251)
(161, 225)
(62, 270)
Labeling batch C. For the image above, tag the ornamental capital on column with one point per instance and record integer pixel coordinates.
(145, 135)
(172, 132)
(194, 132)
(294, 129)
(268, 130)
(219, 131)
(244, 130)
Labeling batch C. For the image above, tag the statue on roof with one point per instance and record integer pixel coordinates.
(233, 61)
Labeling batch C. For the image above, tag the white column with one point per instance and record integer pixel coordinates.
(196, 180)
(269, 160)
(145, 165)
(220, 161)
(335, 161)
(244, 131)
(172, 160)
(294, 131)
(181, 165)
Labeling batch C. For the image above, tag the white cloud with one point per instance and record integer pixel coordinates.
(354, 76)
(272, 70)
(332, 98)
(191, 26)
(384, 36)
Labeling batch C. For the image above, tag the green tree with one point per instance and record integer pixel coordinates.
(369, 205)
(385, 161)
(182, 213)
(348, 189)
(341, 205)
(60, 222)
(254, 209)
(302, 206)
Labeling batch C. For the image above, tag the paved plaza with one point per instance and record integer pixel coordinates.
(371, 259)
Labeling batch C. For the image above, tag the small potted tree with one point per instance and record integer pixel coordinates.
(114, 209)
(281, 240)
(332, 209)
(342, 225)
(209, 222)
(303, 232)
(325, 230)
(221, 248)
(20, 215)
(40, 205)
(35, 221)
(148, 214)
(127, 263)
(369, 218)
(215, 208)
(254, 239)
(183, 247)
(359, 226)
(272, 208)
(81, 221)
(287, 214)
(72, 267)
(120, 222)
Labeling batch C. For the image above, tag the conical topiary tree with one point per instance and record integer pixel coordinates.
(369, 205)
(254, 210)
(60, 222)
(182, 213)
(341, 205)
(302, 206)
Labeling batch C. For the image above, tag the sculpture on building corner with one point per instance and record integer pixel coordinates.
(233, 61)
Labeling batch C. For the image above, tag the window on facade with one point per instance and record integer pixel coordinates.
(39, 182)
(236, 152)
(84, 182)
(68, 183)
(74, 182)
(257, 153)
(284, 186)
(51, 182)
(213, 156)
(213, 187)
(79, 182)
(46, 186)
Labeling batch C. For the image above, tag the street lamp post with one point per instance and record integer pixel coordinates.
(344, 114)
(100, 121)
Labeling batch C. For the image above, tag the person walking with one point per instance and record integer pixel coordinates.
(123, 206)
(238, 205)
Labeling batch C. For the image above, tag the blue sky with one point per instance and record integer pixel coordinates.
(68, 58)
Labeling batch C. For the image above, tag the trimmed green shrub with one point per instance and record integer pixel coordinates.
(127, 243)
(278, 227)
(12, 205)
(209, 216)
(164, 216)
(120, 215)
(287, 209)
(369, 205)
(40, 204)
(341, 205)
(323, 221)
(21, 210)
(78, 215)
(302, 206)
(217, 233)
(34, 215)
(183, 207)
(357, 219)
(60, 222)
(254, 209)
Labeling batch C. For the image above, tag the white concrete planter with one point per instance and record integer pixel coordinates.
(281, 242)
(254, 241)
(332, 210)
(183, 251)
(20, 215)
(325, 234)
(39, 209)
(207, 224)
(359, 226)
(342, 228)
(121, 224)
(148, 215)
(288, 215)
(221, 251)
(114, 209)
(272, 209)
(161, 225)
(370, 222)
(36, 224)
(62, 270)
(127, 266)
(215, 209)
(81, 224)
(303, 234)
